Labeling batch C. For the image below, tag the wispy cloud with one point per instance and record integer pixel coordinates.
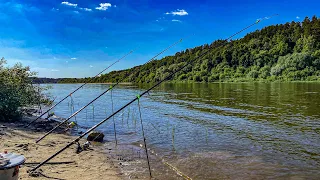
(73, 58)
(103, 6)
(86, 9)
(67, 61)
(91, 66)
(77, 12)
(54, 70)
(69, 4)
(176, 20)
(179, 12)
(298, 17)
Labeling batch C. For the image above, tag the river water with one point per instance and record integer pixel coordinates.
(209, 131)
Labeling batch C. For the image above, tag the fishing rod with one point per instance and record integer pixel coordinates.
(110, 88)
(137, 97)
(70, 94)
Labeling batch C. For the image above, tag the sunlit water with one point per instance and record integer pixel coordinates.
(211, 131)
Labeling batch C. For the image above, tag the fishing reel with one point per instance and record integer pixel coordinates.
(72, 124)
(84, 147)
(50, 115)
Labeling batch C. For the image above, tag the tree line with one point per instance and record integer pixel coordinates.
(282, 52)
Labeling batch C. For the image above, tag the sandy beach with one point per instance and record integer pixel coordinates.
(90, 164)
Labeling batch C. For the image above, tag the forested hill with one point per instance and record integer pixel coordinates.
(286, 52)
(38, 80)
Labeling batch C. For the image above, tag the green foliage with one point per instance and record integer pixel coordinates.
(253, 74)
(264, 72)
(16, 90)
(283, 52)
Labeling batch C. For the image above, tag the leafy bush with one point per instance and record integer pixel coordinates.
(183, 77)
(253, 74)
(276, 70)
(16, 90)
(264, 72)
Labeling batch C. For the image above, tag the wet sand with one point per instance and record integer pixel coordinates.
(90, 164)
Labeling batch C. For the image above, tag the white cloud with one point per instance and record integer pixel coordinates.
(175, 20)
(179, 12)
(298, 17)
(54, 70)
(91, 66)
(86, 9)
(73, 58)
(115, 6)
(77, 12)
(103, 6)
(69, 4)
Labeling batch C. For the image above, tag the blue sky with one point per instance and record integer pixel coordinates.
(78, 38)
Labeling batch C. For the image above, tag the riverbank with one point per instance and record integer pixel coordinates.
(91, 164)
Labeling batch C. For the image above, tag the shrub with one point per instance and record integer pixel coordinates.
(253, 74)
(16, 90)
(264, 72)
(183, 77)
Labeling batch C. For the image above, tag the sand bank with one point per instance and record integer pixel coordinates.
(91, 164)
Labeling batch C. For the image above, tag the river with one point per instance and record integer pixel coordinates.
(209, 131)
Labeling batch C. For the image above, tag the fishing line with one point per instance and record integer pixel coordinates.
(144, 138)
(114, 122)
(39, 98)
(90, 80)
(112, 86)
(175, 169)
(133, 100)
(75, 117)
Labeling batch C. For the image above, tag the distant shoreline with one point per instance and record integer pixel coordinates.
(217, 82)
(90, 83)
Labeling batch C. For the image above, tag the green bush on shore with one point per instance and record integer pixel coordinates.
(16, 90)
